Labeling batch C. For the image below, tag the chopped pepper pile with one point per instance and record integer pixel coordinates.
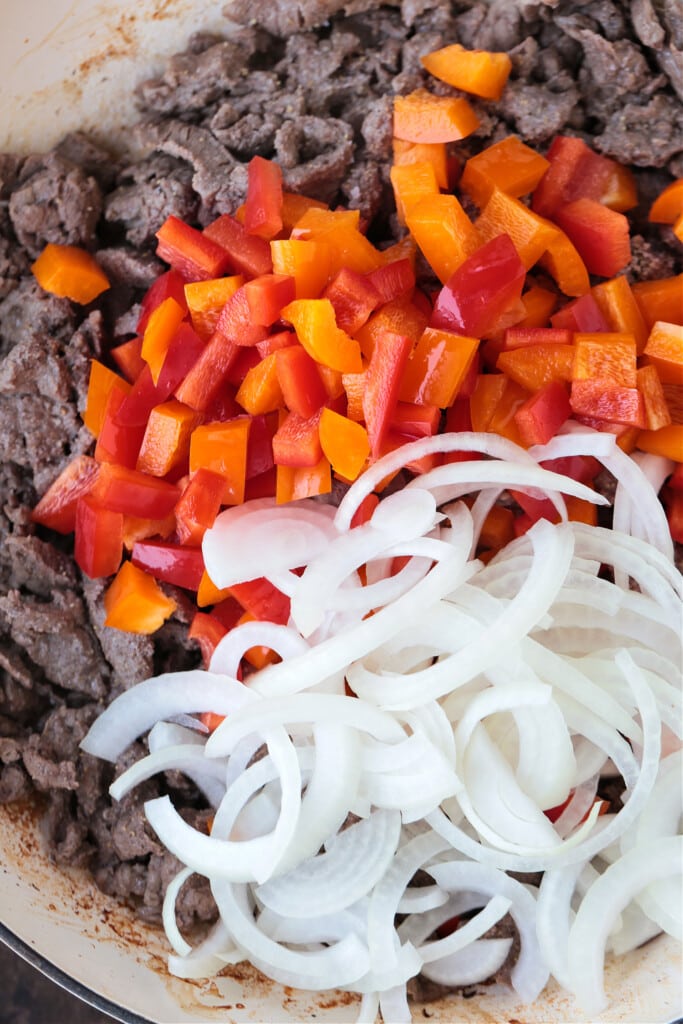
(282, 349)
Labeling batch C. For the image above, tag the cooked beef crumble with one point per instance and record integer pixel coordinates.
(309, 83)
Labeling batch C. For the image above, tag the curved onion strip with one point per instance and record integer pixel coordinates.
(138, 709)
(476, 963)
(181, 947)
(554, 916)
(473, 929)
(529, 975)
(231, 648)
(605, 899)
(186, 758)
(339, 964)
(204, 960)
(334, 880)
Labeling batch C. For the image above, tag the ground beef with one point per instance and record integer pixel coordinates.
(310, 83)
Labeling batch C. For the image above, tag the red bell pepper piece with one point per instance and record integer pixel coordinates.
(297, 442)
(393, 279)
(98, 541)
(274, 342)
(198, 506)
(57, 507)
(541, 416)
(249, 254)
(120, 442)
(263, 485)
(263, 207)
(132, 493)
(601, 400)
(535, 509)
(582, 314)
(260, 444)
(302, 387)
(235, 321)
(577, 172)
(601, 235)
(262, 600)
(178, 564)
(267, 295)
(353, 297)
(206, 379)
(382, 383)
(189, 251)
(183, 352)
(481, 290)
(207, 632)
(247, 358)
(416, 420)
(170, 285)
(583, 468)
(673, 503)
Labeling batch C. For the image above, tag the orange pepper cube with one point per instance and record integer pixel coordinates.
(316, 328)
(166, 441)
(423, 117)
(205, 300)
(70, 272)
(309, 261)
(508, 165)
(536, 365)
(478, 72)
(531, 235)
(161, 327)
(664, 349)
(260, 391)
(344, 442)
(433, 153)
(443, 231)
(605, 357)
(101, 383)
(135, 602)
(222, 449)
(411, 182)
(437, 367)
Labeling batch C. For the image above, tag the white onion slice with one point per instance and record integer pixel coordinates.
(471, 965)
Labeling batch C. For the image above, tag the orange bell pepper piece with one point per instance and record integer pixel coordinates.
(100, 385)
(70, 272)
(316, 328)
(260, 391)
(488, 392)
(664, 349)
(354, 386)
(657, 412)
(295, 206)
(437, 367)
(222, 448)
(497, 529)
(198, 506)
(539, 303)
(536, 365)
(166, 441)
(668, 206)
(503, 214)
(508, 165)
(475, 71)
(618, 305)
(565, 266)
(135, 602)
(401, 316)
(423, 117)
(128, 359)
(205, 300)
(137, 528)
(311, 262)
(660, 299)
(667, 441)
(434, 153)
(609, 358)
(444, 233)
(412, 182)
(295, 482)
(674, 400)
(340, 229)
(208, 593)
(344, 443)
(604, 400)
(161, 326)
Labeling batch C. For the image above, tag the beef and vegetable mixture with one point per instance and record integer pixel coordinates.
(310, 85)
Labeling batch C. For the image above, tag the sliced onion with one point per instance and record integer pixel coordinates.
(471, 965)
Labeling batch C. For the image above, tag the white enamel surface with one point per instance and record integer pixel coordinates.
(69, 64)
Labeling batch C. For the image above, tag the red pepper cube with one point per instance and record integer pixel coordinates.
(119, 489)
(57, 507)
(177, 564)
(481, 290)
(263, 206)
(168, 285)
(194, 255)
(437, 368)
(613, 403)
(302, 388)
(600, 235)
(249, 254)
(416, 420)
(183, 352)
(382, 385)
(274, 342)
(222, 448)
(576, 172)
(296, 441)
(98, 540)
(353, 297)
(393, 280)
(540, 417)
(582, 314)
(234, 321)
(260, 446)
(673, 503)
(207, 632)
(583, 468)
(207, 377)
(119, 442)
(262, 600)
(267, 295)
(198, 506)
